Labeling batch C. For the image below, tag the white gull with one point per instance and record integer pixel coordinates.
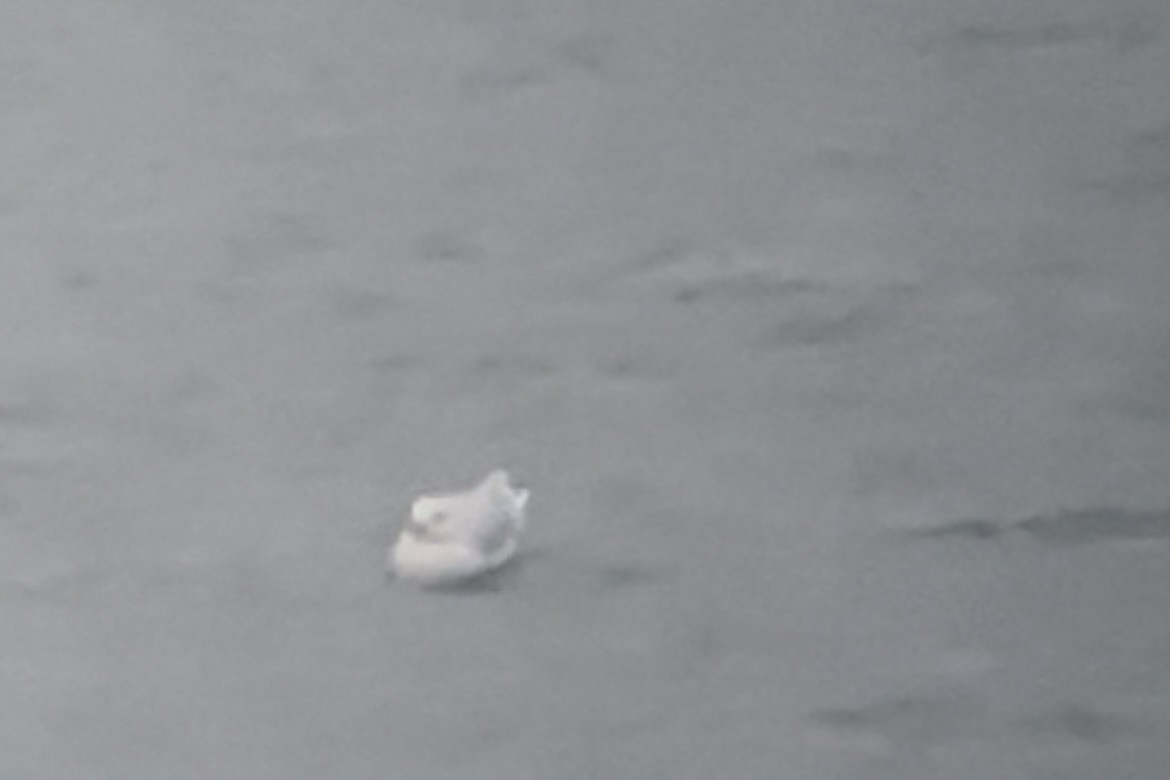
(454, 537)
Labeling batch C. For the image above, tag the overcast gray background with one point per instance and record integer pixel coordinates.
(832, 338)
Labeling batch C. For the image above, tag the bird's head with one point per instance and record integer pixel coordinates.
(427, 517)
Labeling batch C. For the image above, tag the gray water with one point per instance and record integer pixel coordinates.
(831, 338)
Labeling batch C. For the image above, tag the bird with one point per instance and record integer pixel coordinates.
(455, 537)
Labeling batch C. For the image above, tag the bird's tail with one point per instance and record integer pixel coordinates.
(499, 486)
